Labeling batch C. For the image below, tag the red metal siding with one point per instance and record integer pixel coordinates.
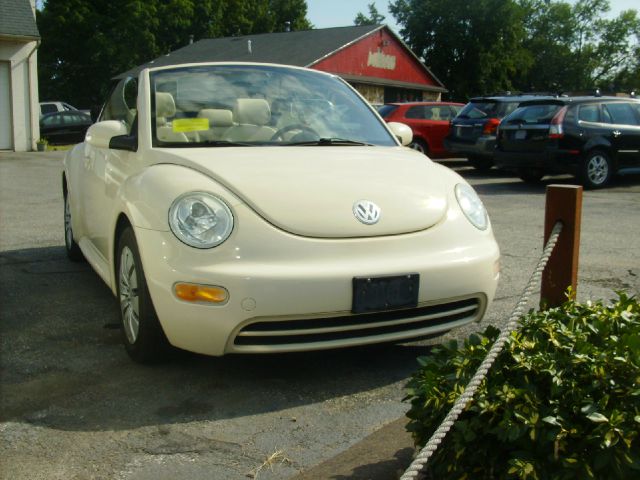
(379, 55)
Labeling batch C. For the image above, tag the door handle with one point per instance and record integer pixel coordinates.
(616, 133)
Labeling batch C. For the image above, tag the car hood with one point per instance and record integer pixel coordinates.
(312, 191)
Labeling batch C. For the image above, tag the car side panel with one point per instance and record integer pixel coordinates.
(145, 198)
(73, 172)
(625, 140)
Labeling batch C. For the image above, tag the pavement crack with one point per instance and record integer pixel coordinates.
(177, 443)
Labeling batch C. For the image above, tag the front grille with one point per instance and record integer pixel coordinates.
(414, 322)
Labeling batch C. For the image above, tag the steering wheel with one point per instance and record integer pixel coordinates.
(294, 126)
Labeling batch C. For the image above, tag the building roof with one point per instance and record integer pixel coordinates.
(17, 19)
(299, 48)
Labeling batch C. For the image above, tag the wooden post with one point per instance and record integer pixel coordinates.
(564, 204)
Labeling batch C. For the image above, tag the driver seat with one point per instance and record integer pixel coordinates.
(165, 108)
(251, 117)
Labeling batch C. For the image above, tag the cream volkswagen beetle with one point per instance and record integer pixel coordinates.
(251, 208)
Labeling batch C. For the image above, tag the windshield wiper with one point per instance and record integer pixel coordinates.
(330, 141)
(206, 143)
(223, 143)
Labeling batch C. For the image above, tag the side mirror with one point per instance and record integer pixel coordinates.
(402, 131)
(100, 134)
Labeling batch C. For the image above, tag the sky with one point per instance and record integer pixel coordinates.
(341, 13)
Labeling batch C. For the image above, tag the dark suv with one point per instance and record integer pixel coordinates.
(590, 137)
(473, 131)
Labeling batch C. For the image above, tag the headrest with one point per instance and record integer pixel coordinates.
(165, 105)
(217, 117)
(253, 111)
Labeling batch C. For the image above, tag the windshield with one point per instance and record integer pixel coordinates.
(540, 114)
(229, 105)
(479, 110)
(486, 109)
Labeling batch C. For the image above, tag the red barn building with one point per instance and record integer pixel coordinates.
(372, 58)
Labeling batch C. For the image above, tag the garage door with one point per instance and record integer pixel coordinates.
(6, 142)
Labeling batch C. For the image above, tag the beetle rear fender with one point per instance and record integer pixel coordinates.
(145, 198)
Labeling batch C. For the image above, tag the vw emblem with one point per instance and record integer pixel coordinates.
(366, 212)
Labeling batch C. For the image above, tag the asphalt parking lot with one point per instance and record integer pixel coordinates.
(73, 406)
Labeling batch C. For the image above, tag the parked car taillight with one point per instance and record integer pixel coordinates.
(555, 128)
(491, 126)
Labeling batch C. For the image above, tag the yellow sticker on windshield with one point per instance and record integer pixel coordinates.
(181, 125)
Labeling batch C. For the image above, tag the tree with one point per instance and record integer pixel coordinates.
(486, 46)
(374, 18)
(472, 47)
(549, 34)
(576, 49)
(87, 42)
(617, 58)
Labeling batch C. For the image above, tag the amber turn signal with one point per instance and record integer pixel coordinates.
(190, 292)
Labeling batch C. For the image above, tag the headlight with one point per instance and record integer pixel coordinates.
(200, 220)
(472, 206)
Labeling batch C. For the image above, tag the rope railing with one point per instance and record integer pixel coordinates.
(463, 400)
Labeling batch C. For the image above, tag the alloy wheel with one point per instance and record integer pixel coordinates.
(68, 231)
(597, 169)
(417, 146)
(129, 298)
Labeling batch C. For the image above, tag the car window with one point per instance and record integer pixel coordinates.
(416, 112)
(505, 108)
(121, 105)
(455, 109)
(73, 118)
(48, 108)
(589, 113)
(479, 110)
(619, 114)
(533, 114)
(52, 120)
(437, 113)
(67, 107)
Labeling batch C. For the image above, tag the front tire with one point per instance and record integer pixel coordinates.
(142, 335)
(419, 145)
(596, 169)
(71, 247)
(482, 164)
(532, 176)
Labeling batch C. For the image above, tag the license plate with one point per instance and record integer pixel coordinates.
(375, 294)
(520, 134)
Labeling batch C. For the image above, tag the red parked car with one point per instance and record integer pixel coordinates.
(428, 120)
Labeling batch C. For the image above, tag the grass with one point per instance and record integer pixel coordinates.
(55, 148)
(277, 457)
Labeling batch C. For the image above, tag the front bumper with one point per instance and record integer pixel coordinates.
(292, 293)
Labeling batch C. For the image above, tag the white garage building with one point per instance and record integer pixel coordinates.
(19, 107)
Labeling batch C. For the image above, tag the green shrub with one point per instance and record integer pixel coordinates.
(562, 401)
